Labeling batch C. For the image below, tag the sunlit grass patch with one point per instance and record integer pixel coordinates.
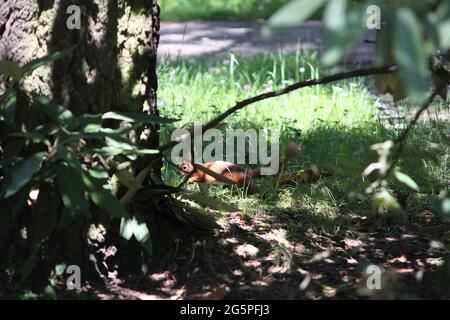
(334, 123)
(183, 10)
(199, 91)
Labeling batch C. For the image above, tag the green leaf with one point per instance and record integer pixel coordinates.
(29, 265)
(45, 129)
(131, 226)
(8, 107)
(56, 112)
(343, 27)
(65, 218)
(384, 199)
(60, 269)
(127, 226)
(44, 217)
(91, 128)
(141, 232)
(335, 15)
(69, 157)
(291, 14)
(71, 187)
(115, 147)
(88, 118)
(21, 173)
(90, 122)
(103, 198)
(115, 134)
(445, 206)
(405, 179)
(135, 117)
(147, 244)
(116, 150)
(31, 136)
(29, 295)
(33, 65)
(50, 293)
(439, 20)
(409, 53)
(12, 149)
(11, 69)
(444, 36)
(98, 172)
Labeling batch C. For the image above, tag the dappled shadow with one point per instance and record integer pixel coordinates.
(250, 261)
(315, 246)
(83, 81)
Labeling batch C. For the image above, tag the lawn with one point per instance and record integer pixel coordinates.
(185, 10)
(326, 231)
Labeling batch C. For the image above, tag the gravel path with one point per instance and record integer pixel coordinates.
(200, 39)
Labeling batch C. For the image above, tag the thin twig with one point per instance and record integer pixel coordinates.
(401, 139)
(276, 93)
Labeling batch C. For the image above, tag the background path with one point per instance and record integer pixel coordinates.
(201, 39)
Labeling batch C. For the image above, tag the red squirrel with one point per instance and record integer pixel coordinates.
(243, 178)
(237, 175)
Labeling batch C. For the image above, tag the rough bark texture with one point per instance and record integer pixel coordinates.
(112, 69)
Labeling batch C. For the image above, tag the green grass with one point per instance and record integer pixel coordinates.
(184, 10)
(335, 123)
(200, 91)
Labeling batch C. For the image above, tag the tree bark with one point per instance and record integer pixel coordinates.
(113, 67)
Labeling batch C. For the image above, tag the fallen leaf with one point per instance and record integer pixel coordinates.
(252, 263)
(401, 259)
(404, 270)
(320, 256)
(435, 261)
(219, 293)
(305, 282)
(278, 269)
(328, 291)
(353, 243)
(246, 250)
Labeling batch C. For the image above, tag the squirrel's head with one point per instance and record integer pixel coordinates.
(185, 167)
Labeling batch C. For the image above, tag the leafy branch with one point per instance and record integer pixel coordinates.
(401, 139)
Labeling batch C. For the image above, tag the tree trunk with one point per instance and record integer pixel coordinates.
(112, 69)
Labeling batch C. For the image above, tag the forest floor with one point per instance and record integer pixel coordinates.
(259, 258)
(301, 241)
(282, 257)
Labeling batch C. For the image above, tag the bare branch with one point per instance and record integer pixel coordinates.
(401, 139)
(276, 93)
